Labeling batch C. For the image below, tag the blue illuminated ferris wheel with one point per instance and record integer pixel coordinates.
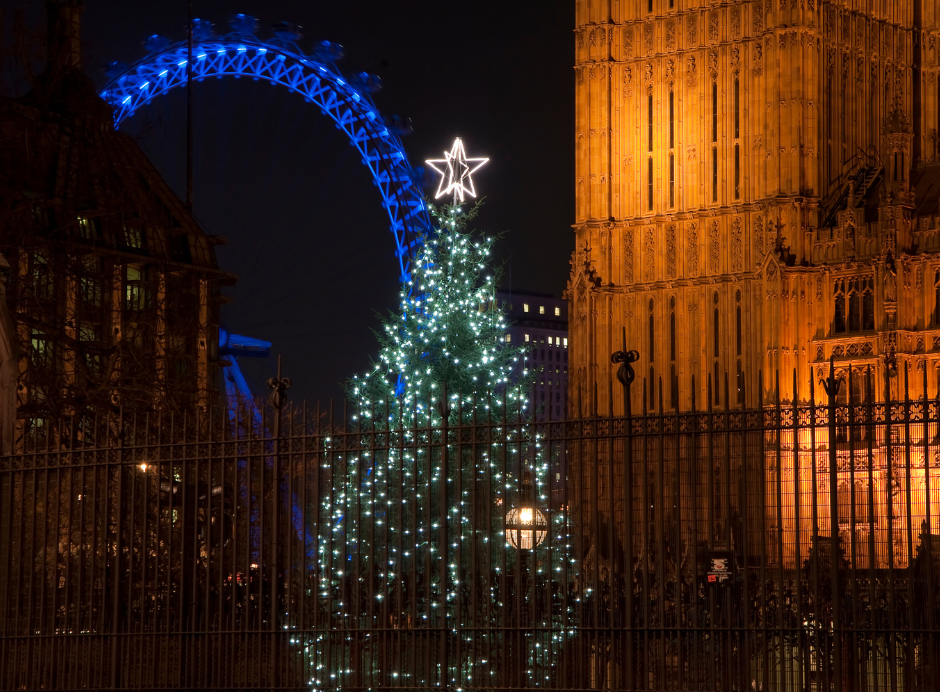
(279, 60)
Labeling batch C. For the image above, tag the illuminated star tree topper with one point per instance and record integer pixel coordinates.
(456, 171)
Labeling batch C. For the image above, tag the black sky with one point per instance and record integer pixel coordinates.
(307, 233)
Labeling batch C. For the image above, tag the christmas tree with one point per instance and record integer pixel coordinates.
(447, 336)
(418, 537)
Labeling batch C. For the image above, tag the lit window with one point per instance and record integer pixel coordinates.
(508, 338)
(527, 338)
(137, 290)
(566, 341)
(86, 228)
(133, 238)
(541, 309)
(549, 341)
(41, 349)
(525, 307)
(557, 312)
(42, 277)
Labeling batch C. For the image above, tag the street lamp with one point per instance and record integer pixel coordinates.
(526, 525)
(526, 528)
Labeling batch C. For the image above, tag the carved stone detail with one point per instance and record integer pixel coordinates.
(649, 37)
(735, 23)
(714, 248)
(671, 252)
(690, 77)
(649, 251)
(737, 246)
(713, 26)
(693, 30)
(692, 250)
(628, 258)
(758, 240)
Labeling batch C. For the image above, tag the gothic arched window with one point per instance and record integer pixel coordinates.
(672, 146)
(714, 146)
(649, 149)
(838, 320)
(716, 326)
(868, 304)
(854, 309)
(845, 502)
(737, 139)
(672, 328)
(936, 296)
(739, 338)
(652, 345)
(861, 503)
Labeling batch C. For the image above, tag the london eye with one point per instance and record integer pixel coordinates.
(313, 75)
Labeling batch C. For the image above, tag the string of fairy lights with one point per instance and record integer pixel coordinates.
(405, 507)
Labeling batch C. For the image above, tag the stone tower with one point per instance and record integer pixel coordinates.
(757, 186)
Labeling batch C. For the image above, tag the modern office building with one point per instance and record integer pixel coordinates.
(539, 321)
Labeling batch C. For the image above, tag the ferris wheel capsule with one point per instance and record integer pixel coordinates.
(367, 82)
(156, 44)
(288, 31)
(203, 29)
(329, 51)
(243, 24)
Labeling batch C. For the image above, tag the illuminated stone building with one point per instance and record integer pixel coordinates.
(757, 190)
(113, 287)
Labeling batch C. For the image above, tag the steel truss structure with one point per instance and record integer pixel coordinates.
(345, 100)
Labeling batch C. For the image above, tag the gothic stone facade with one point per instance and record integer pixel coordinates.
(757, 186)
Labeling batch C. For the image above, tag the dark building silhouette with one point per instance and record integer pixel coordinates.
(114, 286)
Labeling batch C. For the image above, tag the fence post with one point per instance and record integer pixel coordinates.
(626, 375)
(116, 571)
(832, 387)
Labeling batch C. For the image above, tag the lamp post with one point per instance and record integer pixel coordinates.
(526, 528)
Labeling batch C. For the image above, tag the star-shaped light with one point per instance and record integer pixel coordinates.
(455, 169)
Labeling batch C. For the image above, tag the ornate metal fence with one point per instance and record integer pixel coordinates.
(791, 547)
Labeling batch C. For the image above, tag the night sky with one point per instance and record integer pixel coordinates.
(308, 237)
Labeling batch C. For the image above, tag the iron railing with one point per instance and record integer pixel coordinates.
(789, 547)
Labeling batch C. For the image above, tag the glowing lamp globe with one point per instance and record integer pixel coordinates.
(526, 527)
